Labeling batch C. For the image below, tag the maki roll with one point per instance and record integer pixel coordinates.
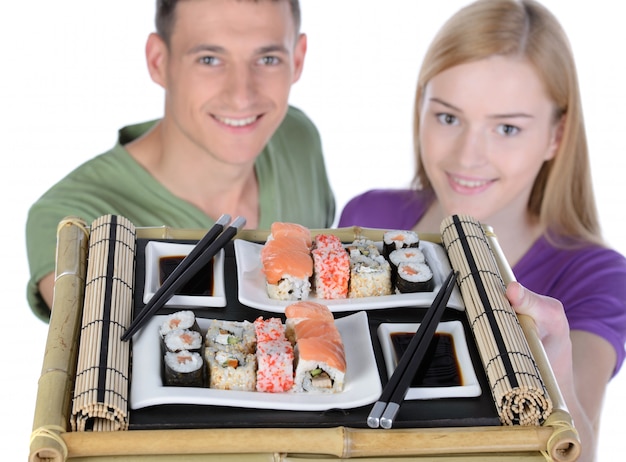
(183, 369)
(394, 240)
(414, 277)
(183, 339)
(404, 255)
(179, 320)
(268, 329)
(231, 370)
(231, 336)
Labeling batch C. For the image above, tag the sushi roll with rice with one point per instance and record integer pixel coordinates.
(231, 370)
(183, 369)
(274, 366)
(394, 240)
(320, 365)
(231, 335)
(414, 277)
(404, 255)
(300, 311)
(183, 339)
(369, 276)
(288, 266)
(179, 320)
(331, 268)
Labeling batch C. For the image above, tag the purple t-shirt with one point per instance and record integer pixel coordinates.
(590, 282)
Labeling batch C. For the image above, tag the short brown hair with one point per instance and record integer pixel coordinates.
(165, 16)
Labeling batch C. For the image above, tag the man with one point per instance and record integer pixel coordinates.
(227, 143)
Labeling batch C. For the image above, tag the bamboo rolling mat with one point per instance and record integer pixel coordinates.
(518, 390)
(100, 401)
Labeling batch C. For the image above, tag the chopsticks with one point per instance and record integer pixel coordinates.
(388, 405)
(212, 242)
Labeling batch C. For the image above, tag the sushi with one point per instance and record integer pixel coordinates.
(281, 229)
(183, 369)
(394, 240)
(231, 335)
(231, 370)
(320, 366)
(287, 265)
(183, 339)
(269, 329)
(179, 320)
(299, 311)
(331, 268)
(369, 276)
(414, 277)
(275, 366)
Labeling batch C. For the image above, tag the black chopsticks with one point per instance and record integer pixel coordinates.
(216, 238)
(387, 406)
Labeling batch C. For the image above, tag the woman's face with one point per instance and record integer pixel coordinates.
(486, 128)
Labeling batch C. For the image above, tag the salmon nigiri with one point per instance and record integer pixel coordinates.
(282, 229)
(309, 310)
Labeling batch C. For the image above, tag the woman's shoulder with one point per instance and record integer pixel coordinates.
(386, 208)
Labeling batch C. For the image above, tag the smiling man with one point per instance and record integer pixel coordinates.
(228, 141)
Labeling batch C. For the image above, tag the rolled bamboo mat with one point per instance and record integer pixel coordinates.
(54, 390)
(518, 390)
(101, 390)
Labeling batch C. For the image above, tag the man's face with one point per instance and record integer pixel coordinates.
(227, 75)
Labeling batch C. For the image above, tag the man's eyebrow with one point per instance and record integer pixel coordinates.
(203, 48)
(510, 115)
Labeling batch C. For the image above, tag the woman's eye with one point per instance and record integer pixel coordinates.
(447, 119)
(507, 130)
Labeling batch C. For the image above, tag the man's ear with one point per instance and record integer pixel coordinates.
(298, 57)
(156, 58)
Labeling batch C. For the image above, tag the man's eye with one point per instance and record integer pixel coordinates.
(507, 130)
(209, 60)
(269, 60)
(447, 119)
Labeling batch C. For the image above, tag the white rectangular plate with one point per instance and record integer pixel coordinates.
(470, 387)
(155, 250)
(362, 383)
(253, 292)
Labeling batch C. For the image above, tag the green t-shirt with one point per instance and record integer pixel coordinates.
(293, 187)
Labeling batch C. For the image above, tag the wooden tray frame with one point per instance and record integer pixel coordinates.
(52, 441)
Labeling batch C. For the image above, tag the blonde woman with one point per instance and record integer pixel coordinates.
(499, 135)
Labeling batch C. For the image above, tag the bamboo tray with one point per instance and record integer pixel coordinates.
(53, 441)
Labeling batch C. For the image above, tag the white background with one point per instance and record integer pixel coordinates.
(73, 72)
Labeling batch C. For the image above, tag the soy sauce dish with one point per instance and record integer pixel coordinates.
(446, 370)
(205, 289)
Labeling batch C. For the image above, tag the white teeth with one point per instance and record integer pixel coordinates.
(236, 122)
(470, 183)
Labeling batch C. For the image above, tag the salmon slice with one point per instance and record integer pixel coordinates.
(281, 229)
(316, 328)
(293, 263)
(322, 350)
(310, 310)
(287, 243)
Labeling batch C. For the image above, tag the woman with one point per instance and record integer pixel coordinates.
(499, 135)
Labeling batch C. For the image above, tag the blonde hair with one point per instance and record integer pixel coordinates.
(563, 203)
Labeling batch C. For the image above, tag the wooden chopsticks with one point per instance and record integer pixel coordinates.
(212, 242)
(387, 406)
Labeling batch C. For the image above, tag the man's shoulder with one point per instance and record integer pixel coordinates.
(297, 122)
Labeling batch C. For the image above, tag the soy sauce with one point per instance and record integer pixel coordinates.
(440, 366)
(200, 284)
